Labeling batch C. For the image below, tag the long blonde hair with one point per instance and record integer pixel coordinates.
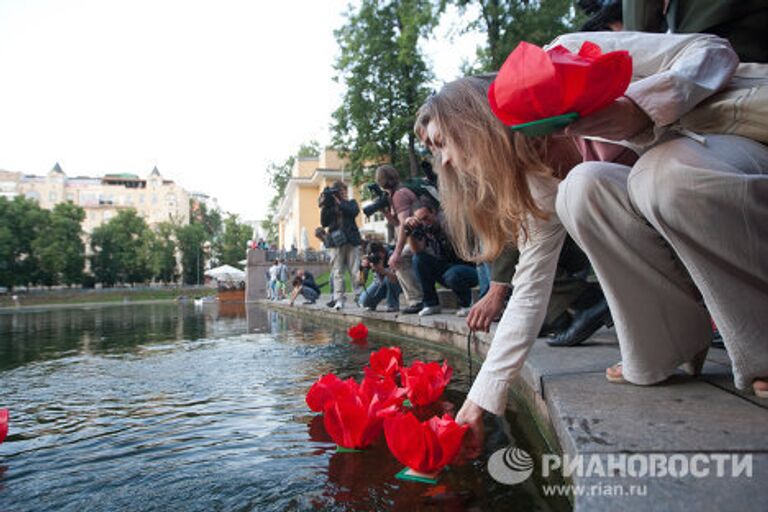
(485, 194)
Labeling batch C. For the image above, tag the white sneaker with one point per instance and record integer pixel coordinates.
(430, 310)
(339, 305)
(462, 312)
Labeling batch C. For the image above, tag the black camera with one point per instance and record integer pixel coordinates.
(378, 204)
(418, 232)
(326, 198)
(373, 258)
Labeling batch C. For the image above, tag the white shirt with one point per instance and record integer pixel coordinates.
(672, 73)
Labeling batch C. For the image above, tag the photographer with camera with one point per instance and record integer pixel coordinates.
(436, 262)
(342, 238)
(385, 283)
(401, 203)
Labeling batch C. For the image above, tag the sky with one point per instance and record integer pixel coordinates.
(210, 92)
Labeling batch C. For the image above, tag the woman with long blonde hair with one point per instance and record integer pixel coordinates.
(499, 187)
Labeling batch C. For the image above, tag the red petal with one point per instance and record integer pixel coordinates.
(405, 439)
(3, 424)
(526, 87)
(358, 332)
(387, 361)
(346, 421)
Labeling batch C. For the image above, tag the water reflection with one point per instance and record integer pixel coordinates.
(165, 406)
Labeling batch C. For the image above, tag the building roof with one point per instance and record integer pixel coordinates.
(57, 169)
(155, 172)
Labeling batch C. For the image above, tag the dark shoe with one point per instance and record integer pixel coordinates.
(331, 303)
(585, 324)
(412, 310)
(557, 325)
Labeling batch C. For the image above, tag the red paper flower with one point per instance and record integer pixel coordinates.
(355, 420)
(425, 382)
(386, 361)
(534, 84)
(3, 424)
(327, 388)
(424, 447)
(358, 332)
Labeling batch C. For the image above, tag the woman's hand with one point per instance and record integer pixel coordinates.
(394, 259)
(621, 120)
(471, 414)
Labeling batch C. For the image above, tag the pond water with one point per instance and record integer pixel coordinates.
(172, 407)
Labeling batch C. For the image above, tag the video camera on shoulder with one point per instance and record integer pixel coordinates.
(327, 197)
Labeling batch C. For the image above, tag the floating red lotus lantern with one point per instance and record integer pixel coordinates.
(355, 420)
(326, 389)
(425, 382)
(387, 361)
(424, 447)
(358, 332)
(3, 424)
(534, 85)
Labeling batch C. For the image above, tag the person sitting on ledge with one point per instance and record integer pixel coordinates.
(435, 261)
(687, 220)
(385, 283)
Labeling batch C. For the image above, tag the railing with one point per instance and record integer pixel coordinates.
(308, 256)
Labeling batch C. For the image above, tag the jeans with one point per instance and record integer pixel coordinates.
(378, 291)
(309, 294)
(459, 277)
(483, 278)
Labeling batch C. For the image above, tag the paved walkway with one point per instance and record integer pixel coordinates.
(588, 416)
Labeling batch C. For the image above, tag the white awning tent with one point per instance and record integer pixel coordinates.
(226, 273)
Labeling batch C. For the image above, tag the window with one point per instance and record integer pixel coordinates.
(52, 196)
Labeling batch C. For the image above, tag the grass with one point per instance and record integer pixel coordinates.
(81, 296)
(324, 280)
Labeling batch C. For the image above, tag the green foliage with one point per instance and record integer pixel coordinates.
(507, 22)
(191, 240)
(121, 250)
(59, 246)
(386, 78)
(21, 222)
(234, 240)
(163, 253)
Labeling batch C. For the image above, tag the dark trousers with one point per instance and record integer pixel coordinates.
(459, 277)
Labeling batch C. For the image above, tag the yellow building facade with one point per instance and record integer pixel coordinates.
(299, 214)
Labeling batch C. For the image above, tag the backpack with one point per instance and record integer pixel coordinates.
(425, 190)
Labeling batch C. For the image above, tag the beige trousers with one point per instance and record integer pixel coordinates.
(683, 231)
(345, 257)
(409, 281)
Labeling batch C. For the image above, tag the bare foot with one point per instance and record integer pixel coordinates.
(614, 374)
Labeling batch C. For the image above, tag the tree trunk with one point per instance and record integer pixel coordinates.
(414, 162)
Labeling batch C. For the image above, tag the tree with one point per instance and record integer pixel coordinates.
(279, 174)
(234, 240)
(59, 247)
(163, 253)
(507, 22)
(21, 221)
(386, 79)
(191, 244)
(121, 250)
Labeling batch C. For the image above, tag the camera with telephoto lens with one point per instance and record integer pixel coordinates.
(381, 201)
(326, 198)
